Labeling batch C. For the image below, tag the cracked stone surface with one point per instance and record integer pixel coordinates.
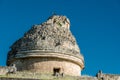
(54, 35)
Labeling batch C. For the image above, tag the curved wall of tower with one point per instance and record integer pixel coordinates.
(48, 65)
(48, 48)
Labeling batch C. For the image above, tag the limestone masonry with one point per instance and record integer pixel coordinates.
(48, 48)
(48, 51)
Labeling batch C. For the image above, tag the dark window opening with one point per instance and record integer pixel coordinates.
(43, 38)
(57, 44)
(56, 71)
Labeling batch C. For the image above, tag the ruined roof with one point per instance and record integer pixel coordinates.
(53, 36)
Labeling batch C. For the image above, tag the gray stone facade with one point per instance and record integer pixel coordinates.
(51, 39)
(49, 47)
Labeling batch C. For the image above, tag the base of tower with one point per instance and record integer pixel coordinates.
(48, 65)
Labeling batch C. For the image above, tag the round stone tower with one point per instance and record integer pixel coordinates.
(48, 48)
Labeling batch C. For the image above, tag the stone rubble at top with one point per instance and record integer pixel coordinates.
(53, 35)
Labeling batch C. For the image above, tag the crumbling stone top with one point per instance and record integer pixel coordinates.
(53, 35)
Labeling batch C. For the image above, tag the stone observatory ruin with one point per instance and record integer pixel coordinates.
(49, 47)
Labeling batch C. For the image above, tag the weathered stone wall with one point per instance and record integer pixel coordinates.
(102, 76)
(17, 79)
(38, 76)
(3, 70)
(52, 39)
(46, 65)
(81, 78)
(53, 35)
(110, 77)
(7, 69)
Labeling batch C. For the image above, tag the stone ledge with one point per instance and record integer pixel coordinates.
(18, 79)
(41, 52)
(79, 61)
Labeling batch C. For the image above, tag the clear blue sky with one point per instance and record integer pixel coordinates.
(94, 23)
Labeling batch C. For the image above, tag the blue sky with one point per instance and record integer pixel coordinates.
(94, 23)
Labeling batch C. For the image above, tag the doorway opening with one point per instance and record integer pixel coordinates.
(56, 71)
